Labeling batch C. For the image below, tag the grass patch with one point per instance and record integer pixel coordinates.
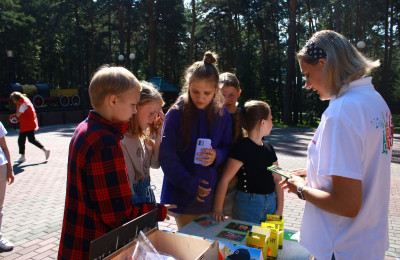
(396, 123)
(281, 124)
(304, 125)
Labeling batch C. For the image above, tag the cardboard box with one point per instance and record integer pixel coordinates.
(114, 240)
(273, 240)
(180, 246)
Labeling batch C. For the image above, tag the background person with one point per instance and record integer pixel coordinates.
(348, 162)
(230, 90)
(28, 124)
(198, 113)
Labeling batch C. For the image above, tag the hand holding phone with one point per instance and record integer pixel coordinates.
(201, 143)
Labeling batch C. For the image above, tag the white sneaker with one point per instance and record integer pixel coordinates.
(47, 154)
(20, 160)
(5, 245)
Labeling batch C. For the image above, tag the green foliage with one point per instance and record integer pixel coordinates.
(396, 123)
(63, 42)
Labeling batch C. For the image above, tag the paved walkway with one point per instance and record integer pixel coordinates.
(34, 204)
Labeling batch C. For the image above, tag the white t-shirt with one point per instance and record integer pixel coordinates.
(3, 132)
(23, 108)
(353, 140)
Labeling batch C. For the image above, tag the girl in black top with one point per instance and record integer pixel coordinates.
(258, 192)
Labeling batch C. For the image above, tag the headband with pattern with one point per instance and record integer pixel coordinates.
(314, 51)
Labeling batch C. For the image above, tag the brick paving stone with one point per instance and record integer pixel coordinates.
(44, 248)
(29, 249)
(34, 204)
(32, 242)
(9, 256)
(29, 255)
(44, 255)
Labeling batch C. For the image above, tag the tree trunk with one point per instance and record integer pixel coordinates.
(259, 28)
(279, 64)
(92, 51)
(385, 71)
(216, 37)
(311, 29)
(290, 76)
(338, 25)
(389, 65)
(109, 34)
(192, 40)
(385, 56)
(78, 43)
(297, 85)
(121, 29)
(152, 38)
(233, 35)
(128, 34)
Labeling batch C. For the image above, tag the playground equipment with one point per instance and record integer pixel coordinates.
(42, 95)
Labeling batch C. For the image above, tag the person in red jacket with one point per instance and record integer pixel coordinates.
(28, 124)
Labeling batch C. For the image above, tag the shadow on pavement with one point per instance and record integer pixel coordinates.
(4, 251)
(67, 129)
(20, 167)
(291, 141)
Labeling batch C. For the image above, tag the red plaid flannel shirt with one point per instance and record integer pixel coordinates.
(98, 197)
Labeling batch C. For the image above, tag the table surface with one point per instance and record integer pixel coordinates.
(291, 249)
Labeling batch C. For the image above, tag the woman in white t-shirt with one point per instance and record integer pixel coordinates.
(348, 162)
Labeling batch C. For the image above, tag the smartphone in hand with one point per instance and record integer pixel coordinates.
(201, 143)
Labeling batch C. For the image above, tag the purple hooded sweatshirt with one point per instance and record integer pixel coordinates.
(181, 175)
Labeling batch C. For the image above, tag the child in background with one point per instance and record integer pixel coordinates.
(258, 192)
(28, 124)
(98, 197)
(230, 90)
(196, 114)
(140, 151)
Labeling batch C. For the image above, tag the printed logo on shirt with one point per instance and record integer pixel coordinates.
(313, 141)
(386, 124)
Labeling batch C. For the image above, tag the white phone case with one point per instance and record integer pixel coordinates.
(200, 144)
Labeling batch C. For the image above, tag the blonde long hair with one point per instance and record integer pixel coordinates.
(147, 94)
(344, 63)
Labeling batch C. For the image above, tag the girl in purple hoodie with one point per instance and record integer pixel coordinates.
(197, 113)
